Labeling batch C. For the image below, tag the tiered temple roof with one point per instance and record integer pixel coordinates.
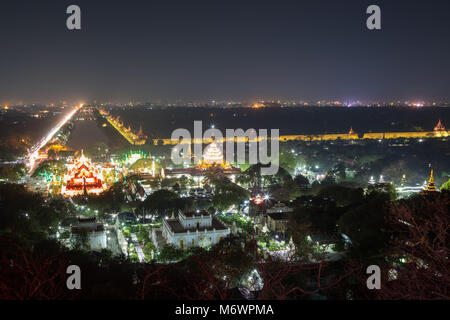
(213, 158)
(82, 177)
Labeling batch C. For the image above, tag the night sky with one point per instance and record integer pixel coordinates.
(232, 50)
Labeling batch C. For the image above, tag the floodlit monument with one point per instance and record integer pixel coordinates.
(211, 163)
(82, 178)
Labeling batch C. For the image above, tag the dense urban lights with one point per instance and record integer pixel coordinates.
(33, 154)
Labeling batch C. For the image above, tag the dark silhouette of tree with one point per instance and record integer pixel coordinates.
(363, 224)
(420, 229)
(387, 188)
(32, 274)
(302, 182)
(227, 193)
(343, 196)
(28, 214)
(164, 202)
(319, 214)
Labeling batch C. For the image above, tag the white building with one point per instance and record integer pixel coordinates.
(194, 228)
(96, 234)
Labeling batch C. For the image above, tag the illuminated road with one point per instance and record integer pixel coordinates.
(410, 189)
(33, 154)
(404, 192)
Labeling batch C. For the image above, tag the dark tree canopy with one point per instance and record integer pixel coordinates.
(164, 202)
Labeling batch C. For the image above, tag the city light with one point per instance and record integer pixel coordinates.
(33, 154)
(212, 160)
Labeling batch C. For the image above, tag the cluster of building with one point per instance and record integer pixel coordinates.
(187, 228)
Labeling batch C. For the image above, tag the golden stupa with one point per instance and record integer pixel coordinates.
(213, 157)
(430, 186)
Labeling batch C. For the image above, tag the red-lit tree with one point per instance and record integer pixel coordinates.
(31, 274)
(420, 228)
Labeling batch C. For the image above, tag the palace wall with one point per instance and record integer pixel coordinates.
(326, 137)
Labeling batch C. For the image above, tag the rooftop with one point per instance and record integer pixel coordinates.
(176, 227)
(195, 213)
(87, 224)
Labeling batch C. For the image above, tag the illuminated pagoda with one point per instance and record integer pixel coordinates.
(212, 162)
(430, 187)
(82, 178)
(141, 134)
(212, 157)
(351, 131)
(439, 126)
(137, 139)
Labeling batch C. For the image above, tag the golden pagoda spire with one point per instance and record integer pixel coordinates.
(430, 186)
(82, 158)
